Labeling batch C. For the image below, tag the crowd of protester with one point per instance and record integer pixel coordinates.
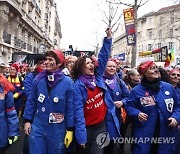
(67, 102)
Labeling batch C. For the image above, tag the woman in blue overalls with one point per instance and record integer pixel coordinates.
(154, 107)
(94, 108)
(119, 94)
(174, 78)
(49, 108)
(9, 123)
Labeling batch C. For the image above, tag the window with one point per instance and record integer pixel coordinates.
(171, 33)
(160, 34)
(172, 18)
(149, 47)
(150, 34)
(35, 19)
(171, 45)
(161, 21)
(150, 21)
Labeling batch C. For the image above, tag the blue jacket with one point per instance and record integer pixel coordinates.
(9, 123)
(28, 83)
(119, 93)
(177, 88)
(41, 103)
(165, 104)
(80, 97)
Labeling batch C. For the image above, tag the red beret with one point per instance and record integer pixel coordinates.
(144, 66)
(60, 55)
(15, 66)
(173, 70)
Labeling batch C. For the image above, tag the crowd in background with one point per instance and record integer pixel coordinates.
(66, 102)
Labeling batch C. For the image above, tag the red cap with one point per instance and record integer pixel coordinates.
(15, 66)
(145, 65)
(60, 55)
(173, 70)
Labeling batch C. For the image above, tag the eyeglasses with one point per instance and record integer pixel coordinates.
(174, 74)
(153, 68)
(41, 62)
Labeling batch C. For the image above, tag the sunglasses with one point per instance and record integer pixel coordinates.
(174, 74)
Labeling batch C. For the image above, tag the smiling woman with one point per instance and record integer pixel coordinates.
(153, 105)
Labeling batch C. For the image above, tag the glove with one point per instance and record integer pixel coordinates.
(12, 139)
(68, 138)
(16, 95)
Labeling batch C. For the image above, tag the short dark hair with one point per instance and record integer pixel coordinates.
(39, 58)
(53, 54)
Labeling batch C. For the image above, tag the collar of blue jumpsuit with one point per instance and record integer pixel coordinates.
(53, 77)
(110, 81)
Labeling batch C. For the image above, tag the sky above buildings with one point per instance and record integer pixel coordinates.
(81, 20)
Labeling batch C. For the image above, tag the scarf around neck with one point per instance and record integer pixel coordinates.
(88, 80)
(110, 81)
(152, 85)
(7, 86)
(53, 77)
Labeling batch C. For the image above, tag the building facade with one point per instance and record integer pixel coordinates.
(155, 30)
(28, 26)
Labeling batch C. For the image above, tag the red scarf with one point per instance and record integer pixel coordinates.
(7, 86)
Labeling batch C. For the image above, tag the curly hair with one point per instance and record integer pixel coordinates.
(77, 69)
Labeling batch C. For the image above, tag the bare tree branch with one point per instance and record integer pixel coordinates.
(117, 21)
(116, 27)
(115, 12)
(130, 5)
(143, 3)
(105, 22)
(105, 15)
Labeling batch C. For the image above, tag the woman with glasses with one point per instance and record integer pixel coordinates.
(155, 110)
(174, 77)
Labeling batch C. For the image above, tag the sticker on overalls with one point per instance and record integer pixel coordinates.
(147, 101)
(167, 93)
(169, 104)
(51, 77)
(41, 98)
(56, 117)
(43, 109)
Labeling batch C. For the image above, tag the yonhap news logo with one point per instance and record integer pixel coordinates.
(103, 140)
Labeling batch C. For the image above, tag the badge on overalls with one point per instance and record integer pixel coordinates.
(2, 96)
(56, 117)
(41, 98)
(51, 77)
(169, 104)
(55, 99)
(43, 109)
(167, 93)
